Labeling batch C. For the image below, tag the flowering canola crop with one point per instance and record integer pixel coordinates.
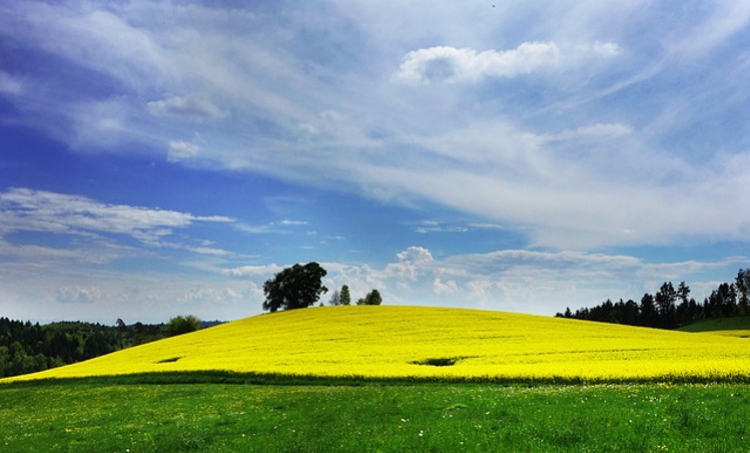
(422, 342)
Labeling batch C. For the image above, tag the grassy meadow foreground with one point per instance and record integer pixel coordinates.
(78, 416)
(433, 344)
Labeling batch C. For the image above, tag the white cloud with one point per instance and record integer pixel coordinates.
(442, 287)
(576, 159)
(508, 280)
(607, 49)
(595, 131)
(432, 226)
(519, 280)
(180, 150)
(279, 227)
(452, 65)
(49, 212)
(412, 259)
(101, 123)
(99, 295)
(249, 271)
(194, 106)
(78, 295)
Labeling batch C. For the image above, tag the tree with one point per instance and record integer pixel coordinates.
(648, 315)
(183, 324)
(345, 298)
(683, 292)
(294, 287)
(372, 298)
(335, 298)
(742, 283)
(665, 305)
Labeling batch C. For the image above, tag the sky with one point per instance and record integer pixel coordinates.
(166, 158)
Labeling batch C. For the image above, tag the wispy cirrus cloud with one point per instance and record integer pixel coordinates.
(27, 210)
(192, 106)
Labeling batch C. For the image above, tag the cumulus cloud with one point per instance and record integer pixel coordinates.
(452, 65)
(411, 264)
(517, 280)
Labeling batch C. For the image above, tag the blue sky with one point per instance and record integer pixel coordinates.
(166, 158)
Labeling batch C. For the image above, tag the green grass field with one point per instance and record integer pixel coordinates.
(98, 416)
(731, 327)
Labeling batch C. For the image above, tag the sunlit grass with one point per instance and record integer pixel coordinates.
(72, 416)
(434, 343)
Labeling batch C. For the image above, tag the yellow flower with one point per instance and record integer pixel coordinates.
(422, 342)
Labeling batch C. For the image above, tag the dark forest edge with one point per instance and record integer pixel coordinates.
(672, 308)
(28, 348)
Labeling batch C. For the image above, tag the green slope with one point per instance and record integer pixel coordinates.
(733, 327)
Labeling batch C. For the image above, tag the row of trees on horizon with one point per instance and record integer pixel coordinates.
(670, 308)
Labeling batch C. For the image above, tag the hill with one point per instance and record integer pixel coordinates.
(433, 343)
(731, 327)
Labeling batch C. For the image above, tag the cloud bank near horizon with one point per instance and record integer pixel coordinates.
(95, 242)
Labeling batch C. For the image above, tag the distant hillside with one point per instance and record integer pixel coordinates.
(734, 327)
(436, 343)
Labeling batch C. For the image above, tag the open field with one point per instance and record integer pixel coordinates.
(730, 327)
(73, 416)
(393, 379)
(434, 344)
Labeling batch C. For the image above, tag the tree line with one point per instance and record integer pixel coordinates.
(670, 308)
(28, 348)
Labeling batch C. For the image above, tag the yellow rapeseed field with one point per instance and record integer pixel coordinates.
(404, 342)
